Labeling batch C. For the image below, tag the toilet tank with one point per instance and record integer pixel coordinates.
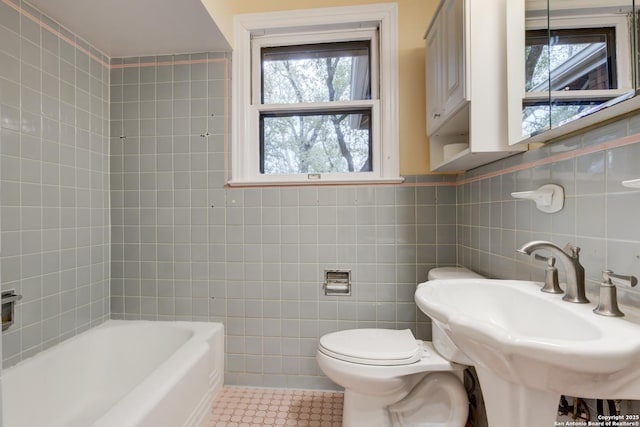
(452, 273)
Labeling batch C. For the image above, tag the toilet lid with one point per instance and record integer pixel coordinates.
(372, 346)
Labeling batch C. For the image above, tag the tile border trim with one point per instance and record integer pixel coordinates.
(572, 154)
(57, 33)
(165, 63)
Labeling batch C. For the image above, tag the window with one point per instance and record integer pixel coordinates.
(573, 69)
(315, 106)
(315, 97)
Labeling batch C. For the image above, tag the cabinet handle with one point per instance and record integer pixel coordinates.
(436, 115)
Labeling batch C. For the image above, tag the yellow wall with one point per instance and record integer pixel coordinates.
(414, 17)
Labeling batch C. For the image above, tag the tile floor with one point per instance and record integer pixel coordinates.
(258, 407)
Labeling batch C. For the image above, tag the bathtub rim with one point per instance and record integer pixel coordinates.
(196, 349)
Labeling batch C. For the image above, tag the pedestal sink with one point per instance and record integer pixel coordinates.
(530, 347)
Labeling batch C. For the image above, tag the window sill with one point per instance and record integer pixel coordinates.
(315, 182)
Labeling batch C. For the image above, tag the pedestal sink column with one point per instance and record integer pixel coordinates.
(510, 404)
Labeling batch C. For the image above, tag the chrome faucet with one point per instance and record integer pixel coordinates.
(570, 259)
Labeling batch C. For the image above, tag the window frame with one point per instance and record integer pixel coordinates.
(623, 66)
(259, 108)
(309, 26)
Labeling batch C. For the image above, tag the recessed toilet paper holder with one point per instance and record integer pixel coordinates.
(548, 198)
(9, 300)
(337, 282)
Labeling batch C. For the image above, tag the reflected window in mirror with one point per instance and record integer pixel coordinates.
(577, 61)
(582, 59)
(559, 65)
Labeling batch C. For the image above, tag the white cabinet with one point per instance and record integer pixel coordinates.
(433, 71)
(446, 64)
(466, 84)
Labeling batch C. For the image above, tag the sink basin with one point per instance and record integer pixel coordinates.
(530, 347)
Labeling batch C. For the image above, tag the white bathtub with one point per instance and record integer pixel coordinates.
(120, 374)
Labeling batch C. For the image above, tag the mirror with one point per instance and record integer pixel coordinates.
(577, 60)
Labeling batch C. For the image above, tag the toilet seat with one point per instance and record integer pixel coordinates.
(380, 347)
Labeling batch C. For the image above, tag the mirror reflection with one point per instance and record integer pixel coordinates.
(578, 60)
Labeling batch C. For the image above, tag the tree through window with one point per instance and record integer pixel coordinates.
(312, 128)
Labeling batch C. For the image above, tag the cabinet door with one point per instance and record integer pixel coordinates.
(453, 66)
(433, 71)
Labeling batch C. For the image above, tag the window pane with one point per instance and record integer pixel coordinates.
(574, 59)
(293, 143)
(316, 73)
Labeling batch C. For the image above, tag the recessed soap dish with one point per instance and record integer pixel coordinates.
(632, 183)
(548, 198)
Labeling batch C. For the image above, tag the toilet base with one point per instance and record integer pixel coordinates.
(440, 393)
(363, 410)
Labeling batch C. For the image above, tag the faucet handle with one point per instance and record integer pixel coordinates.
(574, 251)
(608, 305)
(551, 285)
(610, 277)
(550, 260)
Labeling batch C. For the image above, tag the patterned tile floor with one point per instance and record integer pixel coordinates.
(258, 407)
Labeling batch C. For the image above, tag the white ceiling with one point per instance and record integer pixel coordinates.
(125, 28)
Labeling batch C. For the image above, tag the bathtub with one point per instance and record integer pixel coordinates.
(120, 374)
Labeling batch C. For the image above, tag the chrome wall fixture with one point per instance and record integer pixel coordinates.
(548, 198)
(337, 282)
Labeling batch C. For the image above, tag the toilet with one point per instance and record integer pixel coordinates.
(391, 379)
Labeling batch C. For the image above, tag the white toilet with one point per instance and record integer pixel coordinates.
(392, 379)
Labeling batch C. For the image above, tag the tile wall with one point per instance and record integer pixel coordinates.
(599, 214)
(167, 154)
(186, 247)
(54, 157)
